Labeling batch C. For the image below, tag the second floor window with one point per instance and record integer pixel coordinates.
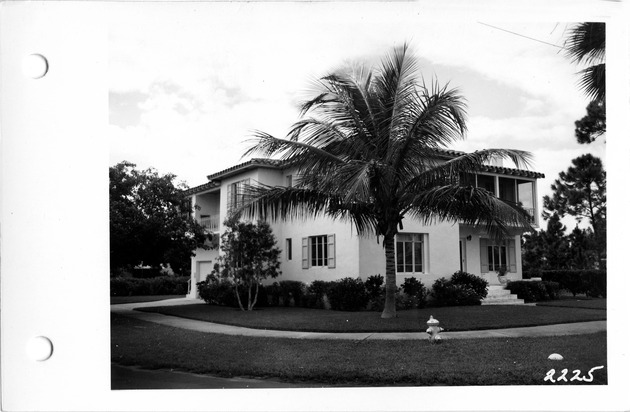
(236, 194)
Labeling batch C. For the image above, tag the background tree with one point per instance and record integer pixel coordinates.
(556, 244)
(581, 192)
(582, 253)
(150, 221)
(593, 125)
(250, 255)
(586, 43)
(371, 151)
(533, 252)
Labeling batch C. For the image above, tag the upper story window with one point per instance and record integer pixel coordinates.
(236, 194)
(289, 181)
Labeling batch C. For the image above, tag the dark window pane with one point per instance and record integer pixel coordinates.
(417, 246)
(486, 182)
(503, 257)
(408, 257)
(490, 259)
(507, 189)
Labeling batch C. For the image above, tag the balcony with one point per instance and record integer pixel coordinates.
(210, 223)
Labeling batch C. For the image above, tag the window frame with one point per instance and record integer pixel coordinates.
(417, 242)
(324, 244)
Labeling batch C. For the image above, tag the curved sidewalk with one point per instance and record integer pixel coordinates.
(127, 309)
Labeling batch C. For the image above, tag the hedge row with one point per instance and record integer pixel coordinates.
(535, 291)
(163, 285)
(590, 282)
(351, 294)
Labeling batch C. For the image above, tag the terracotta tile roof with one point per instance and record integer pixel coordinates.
(279, 164)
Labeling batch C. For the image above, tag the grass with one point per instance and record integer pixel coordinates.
(500, 361)
(581, 303)
(317, 320)
(117, 300)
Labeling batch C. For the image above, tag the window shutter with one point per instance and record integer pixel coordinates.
(331, 251)
(483, 254)
(304, 253)
(512, 256)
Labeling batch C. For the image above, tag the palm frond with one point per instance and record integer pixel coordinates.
(471, 206)
(593, 82)
(587, 43)
(287, 203)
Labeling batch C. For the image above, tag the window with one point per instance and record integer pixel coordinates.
(289, 249)
(236, 194)
(507, 189)
(486, 182)
(495, 256)
(318, 251)
(409, 253)
(290, 181)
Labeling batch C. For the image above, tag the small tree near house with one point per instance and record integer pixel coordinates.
(249, 255)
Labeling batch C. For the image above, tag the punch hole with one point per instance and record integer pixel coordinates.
(39, 348)
(35, 66)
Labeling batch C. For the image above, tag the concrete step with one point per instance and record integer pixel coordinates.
(498, 295)
(503, 302)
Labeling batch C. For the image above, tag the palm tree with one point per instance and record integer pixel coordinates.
(586, 43)
(372, 151)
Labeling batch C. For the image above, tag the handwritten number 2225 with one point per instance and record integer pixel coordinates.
(576, 375)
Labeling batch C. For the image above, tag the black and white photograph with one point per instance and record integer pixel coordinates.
(308, 205)
(355, 197)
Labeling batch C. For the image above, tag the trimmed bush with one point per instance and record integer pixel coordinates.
(292, 290)
(477, 284)
(591, 282)
(216, 291)
(462, 289)
(535, 291)
(315, 295)
(414, 294)
(374, 286)
(163, 285)
(348, 294)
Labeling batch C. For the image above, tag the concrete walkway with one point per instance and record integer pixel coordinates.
(207, 327)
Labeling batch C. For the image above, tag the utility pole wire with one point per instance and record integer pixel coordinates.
(521, 35)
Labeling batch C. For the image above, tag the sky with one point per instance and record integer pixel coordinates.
(190, 82)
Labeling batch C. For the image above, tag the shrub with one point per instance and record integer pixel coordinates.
(348, 294)
(415, 294)
(315, 295)
(463, 289)
(292, 289)
(163, 285)
(535, 291)
(468, 280)
(219, 292)
(374, 286)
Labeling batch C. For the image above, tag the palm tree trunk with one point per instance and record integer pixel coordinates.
(389, 310)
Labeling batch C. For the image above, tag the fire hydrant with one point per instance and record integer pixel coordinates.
(434, 330)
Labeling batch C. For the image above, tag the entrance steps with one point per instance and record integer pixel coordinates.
(498, 295)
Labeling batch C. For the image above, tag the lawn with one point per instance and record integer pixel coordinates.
(117, 300)
(500, 361)
(318, 320)
(582, 303)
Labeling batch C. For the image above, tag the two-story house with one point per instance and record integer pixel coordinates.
(320, 248)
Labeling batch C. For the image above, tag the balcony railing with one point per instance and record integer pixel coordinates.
(211, 223)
